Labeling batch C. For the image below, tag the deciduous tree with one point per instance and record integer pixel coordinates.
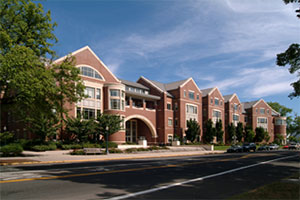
(210, 131)
(193, 131)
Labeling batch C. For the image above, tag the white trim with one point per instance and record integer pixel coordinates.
(264, 102)
(88, 48)
(216, 88)
(234, 94)
(84, 65)
(152, 84)
(191, 79)
(146, 121)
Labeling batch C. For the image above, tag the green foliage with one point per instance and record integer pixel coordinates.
(48, 147)
(219, 131)
(193, 131)
(108, 124)
(6, 138)
(30, 87)
(43, 126)
(82, 129)
(293, 1)
(110, 145)
(210, 131)
(291, 57)
(115, 150)
(77, 152)
(26, 24)
(292, 139)
(11, 150)
(260, 134)
(69, 86)
(279, 139)
(249, 134)
(71, 146)
(231, 131)
(239, 131)
(280, 108)
(293, 127)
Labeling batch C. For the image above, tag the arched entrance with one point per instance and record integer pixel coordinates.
(138, 126)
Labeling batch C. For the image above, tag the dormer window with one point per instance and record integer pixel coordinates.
(88, 71)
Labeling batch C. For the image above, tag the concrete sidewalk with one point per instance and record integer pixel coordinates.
(63, 156)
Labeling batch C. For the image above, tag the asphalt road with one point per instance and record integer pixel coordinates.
(196, 177)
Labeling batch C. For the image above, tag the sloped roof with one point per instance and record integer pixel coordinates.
(205, 92)
(133, 84)
(174, 85)
(162, 87)
(228, 97)
(248, 105)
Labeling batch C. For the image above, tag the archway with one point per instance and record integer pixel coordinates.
(137, 126)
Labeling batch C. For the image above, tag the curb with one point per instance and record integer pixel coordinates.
(105, 159)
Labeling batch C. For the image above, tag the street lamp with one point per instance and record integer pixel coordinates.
(106, 129)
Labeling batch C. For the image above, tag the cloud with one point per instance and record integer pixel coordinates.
(257, 82)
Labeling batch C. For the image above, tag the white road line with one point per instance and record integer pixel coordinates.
(195, 180)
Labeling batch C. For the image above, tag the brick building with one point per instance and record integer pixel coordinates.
(159, 111)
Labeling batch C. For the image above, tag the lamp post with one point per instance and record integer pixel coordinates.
(106, 129)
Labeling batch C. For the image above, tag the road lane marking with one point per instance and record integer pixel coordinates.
(113, 171)
(195, 180)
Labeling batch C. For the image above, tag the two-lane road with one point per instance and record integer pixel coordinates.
(196, 177)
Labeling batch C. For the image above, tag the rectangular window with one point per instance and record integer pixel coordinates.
(170, 138)
(262, 111)
(115, 104)
(235, 107)
(211, 101)
(78, 112)
(176, 122)
(98, 94)
(216, 101)
(217, 114)
(169, 106)
(197, 96)
(184, 93)
(235, 117)
(88, 113)
(191, 95)
(176, 106)
(115, 93)
(262, 120)
(191, 109)
(90, 92)
(170, 122)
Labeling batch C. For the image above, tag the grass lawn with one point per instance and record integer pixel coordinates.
(223, 148)
(283, 189)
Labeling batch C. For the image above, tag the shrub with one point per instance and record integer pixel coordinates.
(114, 150)
(77, 152)
(43, 147)
(110, 145)
(130, 150)
(11, 150)
(71, 146)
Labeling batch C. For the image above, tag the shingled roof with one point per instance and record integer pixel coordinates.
(133, 84)
(205, 92)
(228, 97)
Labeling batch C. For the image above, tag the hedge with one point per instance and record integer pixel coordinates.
(11, 150)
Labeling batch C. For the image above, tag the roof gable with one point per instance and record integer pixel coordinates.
(89, 50)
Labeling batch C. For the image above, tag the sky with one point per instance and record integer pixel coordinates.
(230, 44)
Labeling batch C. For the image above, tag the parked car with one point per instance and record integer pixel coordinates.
(294, 146)
(274, 146)
(285, 147)
(249, 146)
(234, 148)
(264, 148)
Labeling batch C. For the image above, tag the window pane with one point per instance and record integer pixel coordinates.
(98, 76)
(90, 92)
(216, 102)
(115, 93)
(115, 104)
(98, 94)
(191, 95)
